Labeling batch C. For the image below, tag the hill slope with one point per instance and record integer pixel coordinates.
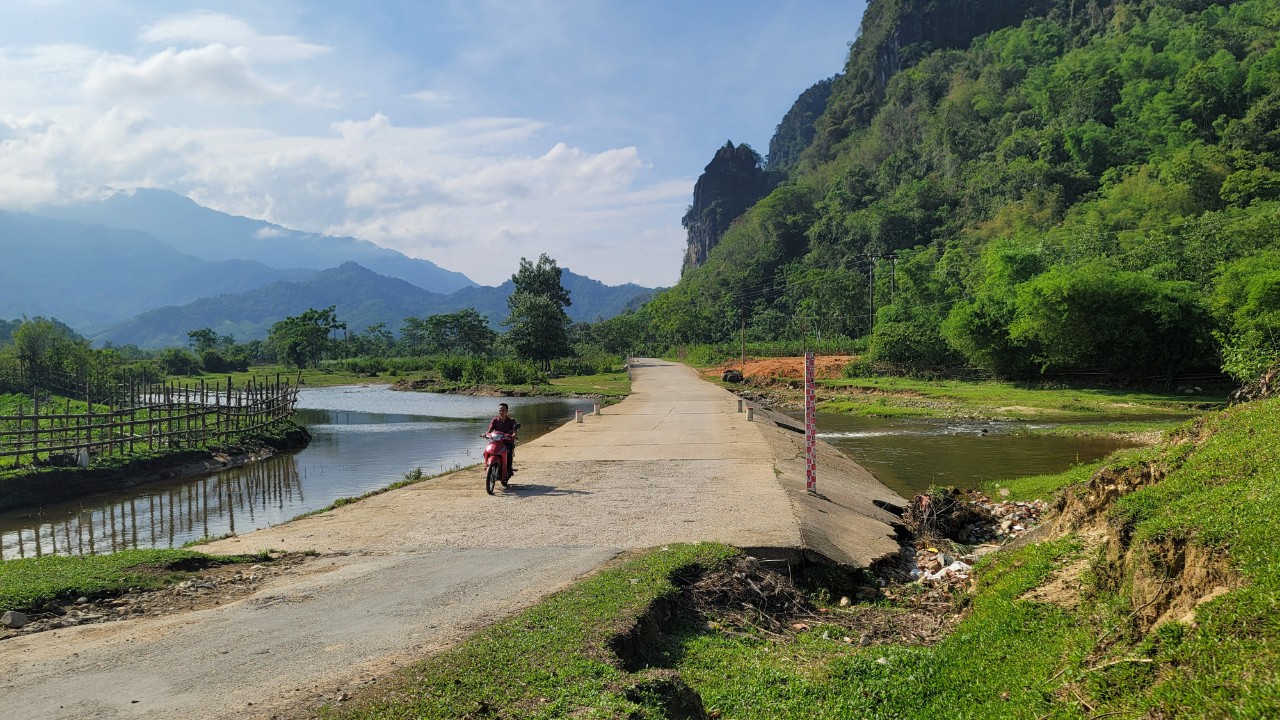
(90, 277)
(362, 298)
(213, 235)
(1031, 187)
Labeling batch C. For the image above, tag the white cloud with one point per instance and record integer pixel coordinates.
(473, 194)
(215, 73)
(433, 98)
(206, 28)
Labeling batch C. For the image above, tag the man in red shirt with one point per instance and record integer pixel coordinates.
(504, 423)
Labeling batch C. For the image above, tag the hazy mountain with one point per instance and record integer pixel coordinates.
(213, 235)
(362, 297)
(90, 277)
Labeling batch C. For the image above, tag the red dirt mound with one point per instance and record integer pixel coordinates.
(826, 367)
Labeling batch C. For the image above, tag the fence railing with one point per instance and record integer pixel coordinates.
(150, 418)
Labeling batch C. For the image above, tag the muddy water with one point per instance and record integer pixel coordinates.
(910, 455)
(364, 438)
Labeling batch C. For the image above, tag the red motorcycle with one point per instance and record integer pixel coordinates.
(497, 459)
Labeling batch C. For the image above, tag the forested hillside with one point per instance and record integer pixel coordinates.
(1035, 187)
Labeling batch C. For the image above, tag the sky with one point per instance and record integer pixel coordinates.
(468, 133)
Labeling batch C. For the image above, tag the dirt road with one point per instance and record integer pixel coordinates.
(403, 573)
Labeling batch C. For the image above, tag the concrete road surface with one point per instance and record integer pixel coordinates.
(410, 571)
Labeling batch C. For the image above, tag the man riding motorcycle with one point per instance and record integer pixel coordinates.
(505, 424)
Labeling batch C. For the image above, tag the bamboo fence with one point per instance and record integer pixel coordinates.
(144, 418)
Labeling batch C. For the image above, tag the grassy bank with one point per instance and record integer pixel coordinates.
(994, 400)
(554, 660)
(28, 584)
(1158, 604)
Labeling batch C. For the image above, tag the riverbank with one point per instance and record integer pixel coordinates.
(31, 488)
(1135, 415)
(1147, 591)
(610, 387)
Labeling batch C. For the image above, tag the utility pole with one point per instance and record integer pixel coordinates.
(743, 337)
(871, 293)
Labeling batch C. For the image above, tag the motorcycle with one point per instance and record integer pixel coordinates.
(497, 459)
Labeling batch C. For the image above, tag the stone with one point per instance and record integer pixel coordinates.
(844, 601)
(732, 376)
(945, 559)
(13, 619)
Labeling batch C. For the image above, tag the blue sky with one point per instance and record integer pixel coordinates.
(466, 133)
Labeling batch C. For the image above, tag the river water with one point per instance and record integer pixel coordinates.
(368, 437)
(909, 455)
(363, 438)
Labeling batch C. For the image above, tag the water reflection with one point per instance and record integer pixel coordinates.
(363, 439)
(910, 455)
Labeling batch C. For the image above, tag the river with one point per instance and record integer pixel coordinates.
(368, 437)
(363, 438)
(909, 455)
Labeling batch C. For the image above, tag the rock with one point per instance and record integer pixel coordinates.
(732, 376)
(844, 601)
(13, 619)
(82, 601)
(865, 640)
(945, 559)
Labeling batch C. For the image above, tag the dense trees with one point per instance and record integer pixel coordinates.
(301, 340)
(1094, 188)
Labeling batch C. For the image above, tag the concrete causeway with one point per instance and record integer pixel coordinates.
(409, 571)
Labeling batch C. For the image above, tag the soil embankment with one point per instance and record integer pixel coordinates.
(51, 485)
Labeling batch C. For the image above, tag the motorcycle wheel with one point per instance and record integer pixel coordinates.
(491, 477)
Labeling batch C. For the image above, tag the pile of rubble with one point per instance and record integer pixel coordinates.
(954, 528)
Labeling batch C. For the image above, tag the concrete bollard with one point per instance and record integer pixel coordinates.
(577, 414)
(597, 410)
(751, 414)
(739, 404)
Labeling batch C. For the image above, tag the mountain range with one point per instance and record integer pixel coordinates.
(147, 267)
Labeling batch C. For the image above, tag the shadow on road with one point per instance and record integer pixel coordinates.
(532, 490)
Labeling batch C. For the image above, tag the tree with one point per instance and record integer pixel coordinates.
(202, 340)
(44, 348)
(539, 328)
(538, 322)
(302, 340)
(542, 278)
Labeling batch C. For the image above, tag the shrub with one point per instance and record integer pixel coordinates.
(451, 368)
(475, 372)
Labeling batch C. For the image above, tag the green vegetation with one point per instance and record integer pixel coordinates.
(553, 660)
(1035, 189)
(998, 400)
(1086, 648)
(27, 584)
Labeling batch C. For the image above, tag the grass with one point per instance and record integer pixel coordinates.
(27, 584)
(550, 661)
(896, 396)
(1016, 657)
(608, 385)
(1078, 653)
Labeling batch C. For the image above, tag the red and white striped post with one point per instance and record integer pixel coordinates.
(810, 427)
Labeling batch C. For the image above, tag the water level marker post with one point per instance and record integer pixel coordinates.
(810, 427)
